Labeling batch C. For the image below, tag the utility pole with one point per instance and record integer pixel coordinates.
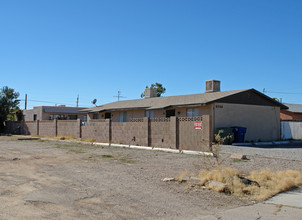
(119, 96)
(78, 101)
(25, 101)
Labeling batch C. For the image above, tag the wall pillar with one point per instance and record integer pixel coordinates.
(55, 127)
(207, 131)
(79, 126)
(174, 132)
(37, 127)
(109, 130)
(147, 131)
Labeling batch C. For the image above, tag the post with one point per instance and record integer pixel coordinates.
(147, 131)
(79, 122)
(174, 134)
(37, 127)
(207, 131)
(25, 101)
(56, 127)
(109, 130)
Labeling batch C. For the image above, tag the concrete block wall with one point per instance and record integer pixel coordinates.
(191, 139)
(134, 133)
(97, 130)
(173, 132)
(160, 133)
(29, 127)
(69, 128)
(47, 128)
(13, 127)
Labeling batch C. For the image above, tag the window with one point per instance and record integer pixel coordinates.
(123, 116)
(170, 113)
(192, 112)
(85, 118)
(58, 117)
(72, 117)
(35, 117)
(95, 116)
(107, 115)
(150, 113)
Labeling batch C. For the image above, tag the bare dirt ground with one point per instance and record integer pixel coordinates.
(57, 180)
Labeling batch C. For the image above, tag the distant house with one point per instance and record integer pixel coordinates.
(293, 113)
(54, 112)
(248, 108)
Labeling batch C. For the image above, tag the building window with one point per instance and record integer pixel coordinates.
(95, 116)
(150, 113)
(35, 117)
(170, 113)
(58, 117)
(72, 117)
(108, 115)
(85, 118)
(123, 116)
(192, 112)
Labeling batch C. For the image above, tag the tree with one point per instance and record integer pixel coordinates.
(8, 104)
(159, 89)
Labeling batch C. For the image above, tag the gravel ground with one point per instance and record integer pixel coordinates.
(291, 152)
(56, 180)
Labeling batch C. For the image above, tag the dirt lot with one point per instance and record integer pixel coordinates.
(57, 180)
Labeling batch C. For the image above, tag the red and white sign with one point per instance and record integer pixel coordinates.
(198, 125)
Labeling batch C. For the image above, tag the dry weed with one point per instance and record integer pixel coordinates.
(270, 183)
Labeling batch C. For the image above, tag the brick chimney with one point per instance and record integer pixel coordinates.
(150, 93)
(212, 86)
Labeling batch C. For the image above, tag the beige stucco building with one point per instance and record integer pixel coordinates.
(248, 108)
(54, 112)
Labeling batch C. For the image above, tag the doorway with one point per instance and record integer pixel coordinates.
(170, 113)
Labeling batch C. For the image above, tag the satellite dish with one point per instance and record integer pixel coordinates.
(94, 101)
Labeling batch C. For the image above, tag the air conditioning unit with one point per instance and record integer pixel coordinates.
(212, 86)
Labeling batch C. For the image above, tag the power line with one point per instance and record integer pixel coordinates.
(31, 100)
(289, 93)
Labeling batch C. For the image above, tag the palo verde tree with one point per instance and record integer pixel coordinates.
(159, 89)
(9, 104)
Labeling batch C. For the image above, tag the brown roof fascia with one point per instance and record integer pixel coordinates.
(256, 92)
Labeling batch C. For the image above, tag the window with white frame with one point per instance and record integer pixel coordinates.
(150, 113)
(123, 116)
(192, 112)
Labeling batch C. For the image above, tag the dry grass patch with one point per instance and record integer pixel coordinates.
(88, 140)
(258, 185)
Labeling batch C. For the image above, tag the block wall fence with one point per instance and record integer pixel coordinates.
(173, 132)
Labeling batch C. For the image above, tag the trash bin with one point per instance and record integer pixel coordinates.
(226, 133)
(239, 133)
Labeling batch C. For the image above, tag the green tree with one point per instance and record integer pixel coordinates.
(159, 88)
(8, 104)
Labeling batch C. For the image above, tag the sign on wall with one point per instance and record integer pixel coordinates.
(198, 125)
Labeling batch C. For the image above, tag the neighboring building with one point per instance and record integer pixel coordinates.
(293, 113)
(248, 108)
(54, 112)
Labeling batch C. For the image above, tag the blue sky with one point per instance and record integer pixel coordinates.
(54, 50)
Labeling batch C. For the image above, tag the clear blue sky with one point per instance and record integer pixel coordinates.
(54, 50)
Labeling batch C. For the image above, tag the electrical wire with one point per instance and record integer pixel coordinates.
(290, 93)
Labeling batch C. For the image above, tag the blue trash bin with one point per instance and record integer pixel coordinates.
(239, 133)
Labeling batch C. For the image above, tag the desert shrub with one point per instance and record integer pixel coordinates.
(265, 183)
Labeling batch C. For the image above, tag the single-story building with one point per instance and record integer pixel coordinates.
(293, 113)
(54, 112)
(248, 108)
